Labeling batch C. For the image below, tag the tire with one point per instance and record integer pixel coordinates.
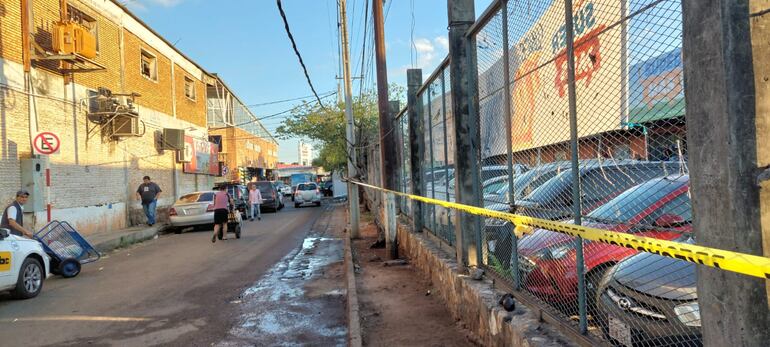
(176, 230)
(30, 281)
(296, 205)
(238, 232)
(318, 204)
(69, 268)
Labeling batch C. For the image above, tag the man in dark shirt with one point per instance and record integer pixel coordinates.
(13, 215)
(148, 193)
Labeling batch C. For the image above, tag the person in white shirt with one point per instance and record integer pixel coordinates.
(255, 201)
(13, 215)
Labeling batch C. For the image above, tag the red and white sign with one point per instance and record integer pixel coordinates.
(46, 143)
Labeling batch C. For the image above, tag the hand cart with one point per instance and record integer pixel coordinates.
(66, 247)
(234, 221)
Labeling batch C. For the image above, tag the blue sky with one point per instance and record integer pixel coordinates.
(245, 43)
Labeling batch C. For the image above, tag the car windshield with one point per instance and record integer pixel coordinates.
(264, 187)
(493, 187)
(197, 197)
(307, 186)
(530, 180)
(551, 189)
(635, 200)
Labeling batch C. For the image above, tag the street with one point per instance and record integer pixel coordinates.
(176, 290)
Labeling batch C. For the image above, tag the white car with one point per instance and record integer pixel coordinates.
(307, 193)
(194, 209)
(23, 265)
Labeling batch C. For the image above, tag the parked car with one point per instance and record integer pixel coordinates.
(271, 198)
(327, 188)
(194, 209)
(526, 182)
(650, 300)
(442, 189)
(284, 188)
(23, 265)
(239, 194)
(307, 193)
(659, 208)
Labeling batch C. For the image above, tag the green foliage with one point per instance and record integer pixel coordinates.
(325, 127)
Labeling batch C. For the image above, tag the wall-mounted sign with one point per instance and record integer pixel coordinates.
(46, 143)
(202, 156)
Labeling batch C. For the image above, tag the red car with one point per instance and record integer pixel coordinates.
(658, 208)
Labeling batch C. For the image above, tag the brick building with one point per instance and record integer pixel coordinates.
(101, 159)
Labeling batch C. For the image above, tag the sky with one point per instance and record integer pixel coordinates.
(245, 43)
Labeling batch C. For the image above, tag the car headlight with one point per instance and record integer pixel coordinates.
(494, 222)
(688, 314)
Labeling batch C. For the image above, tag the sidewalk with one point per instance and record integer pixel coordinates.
(106, 241)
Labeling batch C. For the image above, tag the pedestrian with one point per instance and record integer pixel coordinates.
(222, 202)
(148, 192)
(13, 216)
(255, 201)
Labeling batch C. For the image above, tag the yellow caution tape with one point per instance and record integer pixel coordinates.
(742, 263)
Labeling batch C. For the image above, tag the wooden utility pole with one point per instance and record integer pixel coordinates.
(350, 128)
(388, 163)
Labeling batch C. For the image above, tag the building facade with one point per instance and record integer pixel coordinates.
(104, 102)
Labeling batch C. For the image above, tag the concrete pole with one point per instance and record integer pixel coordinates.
(463, 75)
(350, 128)
(722, 138)
(414, 111)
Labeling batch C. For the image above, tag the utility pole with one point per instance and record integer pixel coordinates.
(387, 136)
(724, 89)
(350, 128)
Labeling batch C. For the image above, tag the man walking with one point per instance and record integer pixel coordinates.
(255, 201)
(13, 216)
(148, 192)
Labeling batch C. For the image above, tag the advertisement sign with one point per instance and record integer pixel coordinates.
(539, 101)
(202, 156)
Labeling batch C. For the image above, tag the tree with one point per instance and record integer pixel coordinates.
(325, 127)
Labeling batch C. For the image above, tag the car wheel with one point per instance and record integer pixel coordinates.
(30, 281)
(296, 205)
(69, 268)
(238, 232)
(318, 204)
(176, 230)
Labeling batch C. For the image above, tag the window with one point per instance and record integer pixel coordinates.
(189, 88)
(85, 20)
(149, 66)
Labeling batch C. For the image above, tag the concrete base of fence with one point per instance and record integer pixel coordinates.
(474, 303)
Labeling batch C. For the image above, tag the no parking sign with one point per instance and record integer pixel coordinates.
(46, 143)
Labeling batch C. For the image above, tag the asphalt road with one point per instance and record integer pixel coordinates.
(175, 290)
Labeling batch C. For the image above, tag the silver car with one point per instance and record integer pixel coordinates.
(192, 209)
(307, 193)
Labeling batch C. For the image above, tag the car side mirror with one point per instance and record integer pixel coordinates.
(669, 220)
(4, 233)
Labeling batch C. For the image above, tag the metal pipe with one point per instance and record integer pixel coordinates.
(576, 205)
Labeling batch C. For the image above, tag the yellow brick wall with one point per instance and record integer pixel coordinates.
(155, 94)
(109, 53)
(10, 30)
(193, 111)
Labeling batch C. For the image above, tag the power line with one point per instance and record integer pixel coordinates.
(255, 120)
(296, 52)
(293, 99)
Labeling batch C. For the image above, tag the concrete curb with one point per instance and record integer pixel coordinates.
(123, 239)
(354, 320)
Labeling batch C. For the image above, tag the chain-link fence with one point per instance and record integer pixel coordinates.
(601, 144)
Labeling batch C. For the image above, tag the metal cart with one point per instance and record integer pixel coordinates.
(66, 247)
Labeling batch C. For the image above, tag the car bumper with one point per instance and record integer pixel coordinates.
(184, 221)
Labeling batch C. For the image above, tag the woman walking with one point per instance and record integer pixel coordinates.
(222, 202)
(255, 201)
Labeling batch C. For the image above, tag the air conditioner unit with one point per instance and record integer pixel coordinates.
(70, 37)
(173, 139)
(125, 126)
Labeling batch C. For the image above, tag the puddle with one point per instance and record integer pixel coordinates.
(277, 310)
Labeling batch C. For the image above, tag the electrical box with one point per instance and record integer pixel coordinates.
(173, 139)
(33, 180)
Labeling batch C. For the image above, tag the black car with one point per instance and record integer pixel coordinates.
(601, 180)
(239, 194)
(650, 300)
(271, 197)
(327, 188)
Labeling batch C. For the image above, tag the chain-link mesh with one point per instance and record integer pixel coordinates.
(631, 162)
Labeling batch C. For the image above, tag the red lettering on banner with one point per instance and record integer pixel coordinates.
(588, 60)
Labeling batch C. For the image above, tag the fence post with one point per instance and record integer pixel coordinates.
(725, 145)
(463, 73)
(390, 178)
(576, 203)
(416, 146)
(509, 144)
